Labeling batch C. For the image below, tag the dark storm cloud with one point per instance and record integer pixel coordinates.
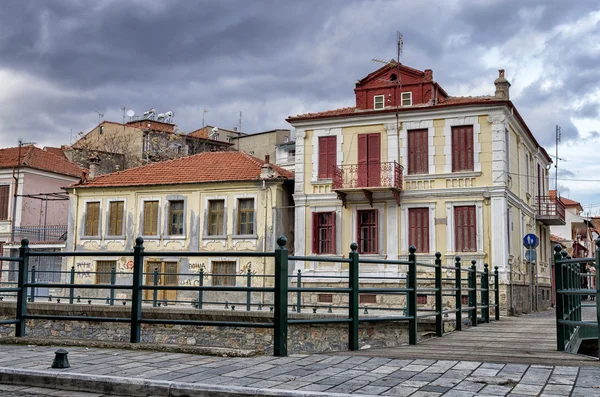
(269, 59)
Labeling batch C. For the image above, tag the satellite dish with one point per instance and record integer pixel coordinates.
(130, 113)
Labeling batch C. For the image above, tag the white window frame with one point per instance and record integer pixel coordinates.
(205, 235)
(404, 225)
(409, 98)
(337, 210)
(380, 207)
(84, 215)
(375, 102)
(107, 216)
(451, 238)
(158, 220)
(234, 234)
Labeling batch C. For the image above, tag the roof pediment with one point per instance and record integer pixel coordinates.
(382, 75)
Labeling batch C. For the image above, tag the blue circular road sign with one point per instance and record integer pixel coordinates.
(530, 241)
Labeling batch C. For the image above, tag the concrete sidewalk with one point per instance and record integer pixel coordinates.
(142, 373)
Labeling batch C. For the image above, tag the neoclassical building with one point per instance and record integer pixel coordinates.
(411, 165)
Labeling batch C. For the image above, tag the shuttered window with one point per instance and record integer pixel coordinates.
(462, 148)
(223, 273)
(150, 218)
(103, 270)
(323, 232)
(418, 228)
(367, 231)
(418, 152)
(4, 200)
(176, 217)
(327, 156)
(245, 216)
(115, 223)
(216, 217)
(92, 219)
(465, 228)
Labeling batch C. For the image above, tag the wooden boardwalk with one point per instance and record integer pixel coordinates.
(521, 340)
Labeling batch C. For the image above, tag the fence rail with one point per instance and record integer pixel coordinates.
(415, 286)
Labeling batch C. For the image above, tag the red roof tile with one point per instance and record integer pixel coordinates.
(200, 168)
(567, 202)
(34, 157)
(55, 151)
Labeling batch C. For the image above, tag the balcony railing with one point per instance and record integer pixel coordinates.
(371, 175)
(41, 233)
(550, 211)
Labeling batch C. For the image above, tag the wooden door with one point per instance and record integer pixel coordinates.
(167, 275)
(369, 160)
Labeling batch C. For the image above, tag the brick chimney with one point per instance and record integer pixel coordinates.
(267, 171)
(502, 86)
(94, 167)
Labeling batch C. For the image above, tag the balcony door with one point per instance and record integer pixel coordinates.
(369, 160)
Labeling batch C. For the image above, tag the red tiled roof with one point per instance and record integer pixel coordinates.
(34, 157)
(200, 168)
(567, 202)
(55, 151)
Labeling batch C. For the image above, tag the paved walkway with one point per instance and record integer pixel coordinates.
(298, 375)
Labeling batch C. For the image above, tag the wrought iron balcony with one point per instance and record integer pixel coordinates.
(550, 211)
(35, 234)
(368, 178)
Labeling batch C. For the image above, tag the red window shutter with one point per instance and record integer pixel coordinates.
(315, 232)
(462, 148)
(376, 229)
(331, 156)
(374, 148)
(539, 181)
(333, 233)
(465, 229)
(418, 224)
(327, 156)
(362, 149)
(418, 152)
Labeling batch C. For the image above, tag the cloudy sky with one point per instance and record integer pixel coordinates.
(63, 61)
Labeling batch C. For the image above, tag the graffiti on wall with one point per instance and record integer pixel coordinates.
(82, 272)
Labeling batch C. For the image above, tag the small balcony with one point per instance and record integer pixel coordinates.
(549, 211)
(38, 234)
(367, 178)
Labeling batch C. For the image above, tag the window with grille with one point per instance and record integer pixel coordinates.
(92, 219)
(4, 200)
(115, 222)
(216, 217)
(150, 218)
(323, 237)
(245, 217)
(462, 148)
(367, 231)
(103, 270)
(223, 273)
(176, 217)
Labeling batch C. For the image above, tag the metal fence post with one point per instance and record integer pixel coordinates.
(353, 284)
(299, 293)
(412, 296)
(473, 293)
(439, 324)
(32, 294)
(22, 294)
(496, 294)
(485, 293)
(113, 280)
(458, 288)
(155, 291)
(72, 282)
(136, 292)
(248, 293)
(200, 291)
(560, 330)
(281, 299)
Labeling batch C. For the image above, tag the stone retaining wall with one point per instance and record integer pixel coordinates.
(302, 338)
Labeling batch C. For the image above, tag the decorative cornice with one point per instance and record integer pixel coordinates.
(497, 119)
(391, 128)
(300, 134)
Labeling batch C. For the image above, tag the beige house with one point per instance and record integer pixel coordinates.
(213, 201)
(411, 165)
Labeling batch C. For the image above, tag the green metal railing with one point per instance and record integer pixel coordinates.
(571, 327)
(415, 285)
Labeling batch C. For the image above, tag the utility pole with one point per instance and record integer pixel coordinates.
(556, 164)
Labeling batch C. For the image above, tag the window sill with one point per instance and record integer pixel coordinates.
(461, 174)
(245, 237)
(210, 238)
(321, 181)
(91, 238)
(174, 237)
(114, 238)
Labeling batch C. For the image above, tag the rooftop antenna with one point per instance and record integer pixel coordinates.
(239, 131)
(203, 115)
(100, 116)
(123, 109)
(398, 80)
(556, 164)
